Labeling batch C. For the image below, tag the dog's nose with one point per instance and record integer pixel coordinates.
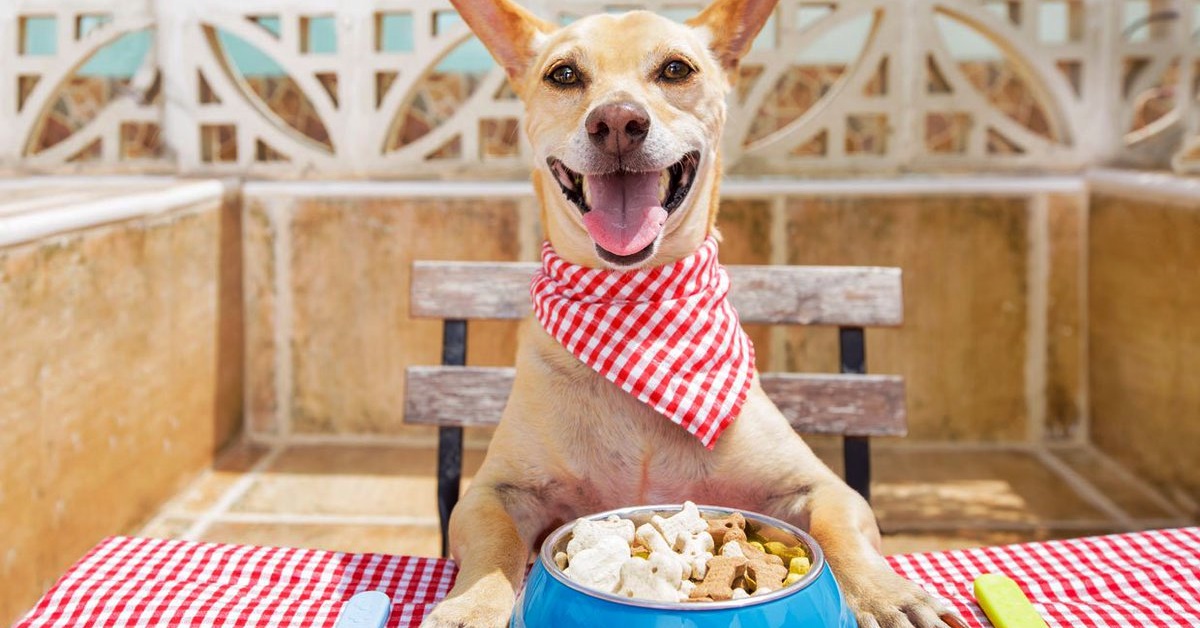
(618, 127)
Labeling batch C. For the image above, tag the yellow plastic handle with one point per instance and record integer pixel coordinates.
(1005, 603)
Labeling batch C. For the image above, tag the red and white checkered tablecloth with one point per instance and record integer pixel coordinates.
(1138, 579)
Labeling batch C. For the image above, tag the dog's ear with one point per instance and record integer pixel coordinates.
(733, 25)
(507, 29)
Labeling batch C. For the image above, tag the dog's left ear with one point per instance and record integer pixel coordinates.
(733, 25)
(507, 30)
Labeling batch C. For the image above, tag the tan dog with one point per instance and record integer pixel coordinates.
(640, 96)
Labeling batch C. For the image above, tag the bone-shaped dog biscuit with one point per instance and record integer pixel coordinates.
(766, 576)
(718, 582)
(653, 539)
(658, 578)
(697, 550)
(686, 522)
(751, 552)
(599, 565)
(727, 529)
(587, 533)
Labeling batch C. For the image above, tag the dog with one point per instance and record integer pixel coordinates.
(642, 98)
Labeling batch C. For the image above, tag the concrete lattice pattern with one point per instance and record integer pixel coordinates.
(925, 85)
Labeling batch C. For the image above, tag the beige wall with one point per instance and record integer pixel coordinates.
(109, 393)
(985, 278)
(1144, 317)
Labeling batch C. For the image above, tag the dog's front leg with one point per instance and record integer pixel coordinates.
(843, 525)
(491, 558)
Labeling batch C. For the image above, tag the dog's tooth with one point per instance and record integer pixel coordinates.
(587, 193)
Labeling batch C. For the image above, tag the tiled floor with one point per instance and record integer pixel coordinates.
(927, 496)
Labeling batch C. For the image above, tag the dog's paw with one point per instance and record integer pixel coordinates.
(465, 612)
(883, 599)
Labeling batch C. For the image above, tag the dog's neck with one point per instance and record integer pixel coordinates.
(687, 276)
(666, 335)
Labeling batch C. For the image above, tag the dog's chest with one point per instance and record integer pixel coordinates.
(620, 451)
(599, 447)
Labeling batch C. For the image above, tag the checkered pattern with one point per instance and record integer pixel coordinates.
(170, 584)
(1139, 579)
(666, 335)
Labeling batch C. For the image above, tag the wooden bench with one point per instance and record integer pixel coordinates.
(852, 404)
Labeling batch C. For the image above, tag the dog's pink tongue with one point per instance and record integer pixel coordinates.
(626, 213)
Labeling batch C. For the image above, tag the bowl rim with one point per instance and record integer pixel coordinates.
(818, 561)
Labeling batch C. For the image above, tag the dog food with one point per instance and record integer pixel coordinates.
(682, 558)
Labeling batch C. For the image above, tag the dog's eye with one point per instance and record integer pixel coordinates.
(564, 75)
(676, 71)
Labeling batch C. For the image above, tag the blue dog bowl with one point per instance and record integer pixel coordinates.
(552, 600)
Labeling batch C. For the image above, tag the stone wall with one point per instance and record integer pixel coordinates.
(992, 345)
(1144, 321)
(119, 378)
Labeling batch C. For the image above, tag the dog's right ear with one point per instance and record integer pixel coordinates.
(733, 25)
(508, 30)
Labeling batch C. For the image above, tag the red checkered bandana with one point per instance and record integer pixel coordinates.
(666, 335)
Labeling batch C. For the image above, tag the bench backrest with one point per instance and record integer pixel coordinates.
(852, 404)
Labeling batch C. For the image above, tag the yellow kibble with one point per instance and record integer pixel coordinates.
(783, 551)
(758, 546)
(792, 578)
(799, 566)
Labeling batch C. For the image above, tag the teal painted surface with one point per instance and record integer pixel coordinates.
(840, 45)
(1053, 23)
(121, 58)
(269, 23)
(807, 15)
(1135, 14)
(396, 32)
(322, 35)
(246, 59)
(966, 43)
(89, 23)
(41, 36)
(469, 57)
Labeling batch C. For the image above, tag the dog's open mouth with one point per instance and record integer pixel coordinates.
(624, 211)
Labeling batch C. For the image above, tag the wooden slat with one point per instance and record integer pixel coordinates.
(817, 295)
(852, 405)
(805, 295)
(855, 405)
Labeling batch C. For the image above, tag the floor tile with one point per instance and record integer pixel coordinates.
(1114, 483)
(166, 527)
(926, 497)
(964, 488)
(204, 492)
(351, 480)
(402, 540)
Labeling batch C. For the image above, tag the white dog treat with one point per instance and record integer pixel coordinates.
(654, 541)
(732, 550)
(599, 565)
(658, 578)
(587, 533)
(686, 522)
(677, 558)
(685, 589)
(697, 549)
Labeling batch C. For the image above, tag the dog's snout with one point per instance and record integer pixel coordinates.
(618, 127)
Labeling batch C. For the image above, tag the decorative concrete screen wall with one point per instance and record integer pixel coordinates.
(399, 88)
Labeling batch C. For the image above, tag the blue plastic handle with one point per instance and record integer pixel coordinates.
(369, 609)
